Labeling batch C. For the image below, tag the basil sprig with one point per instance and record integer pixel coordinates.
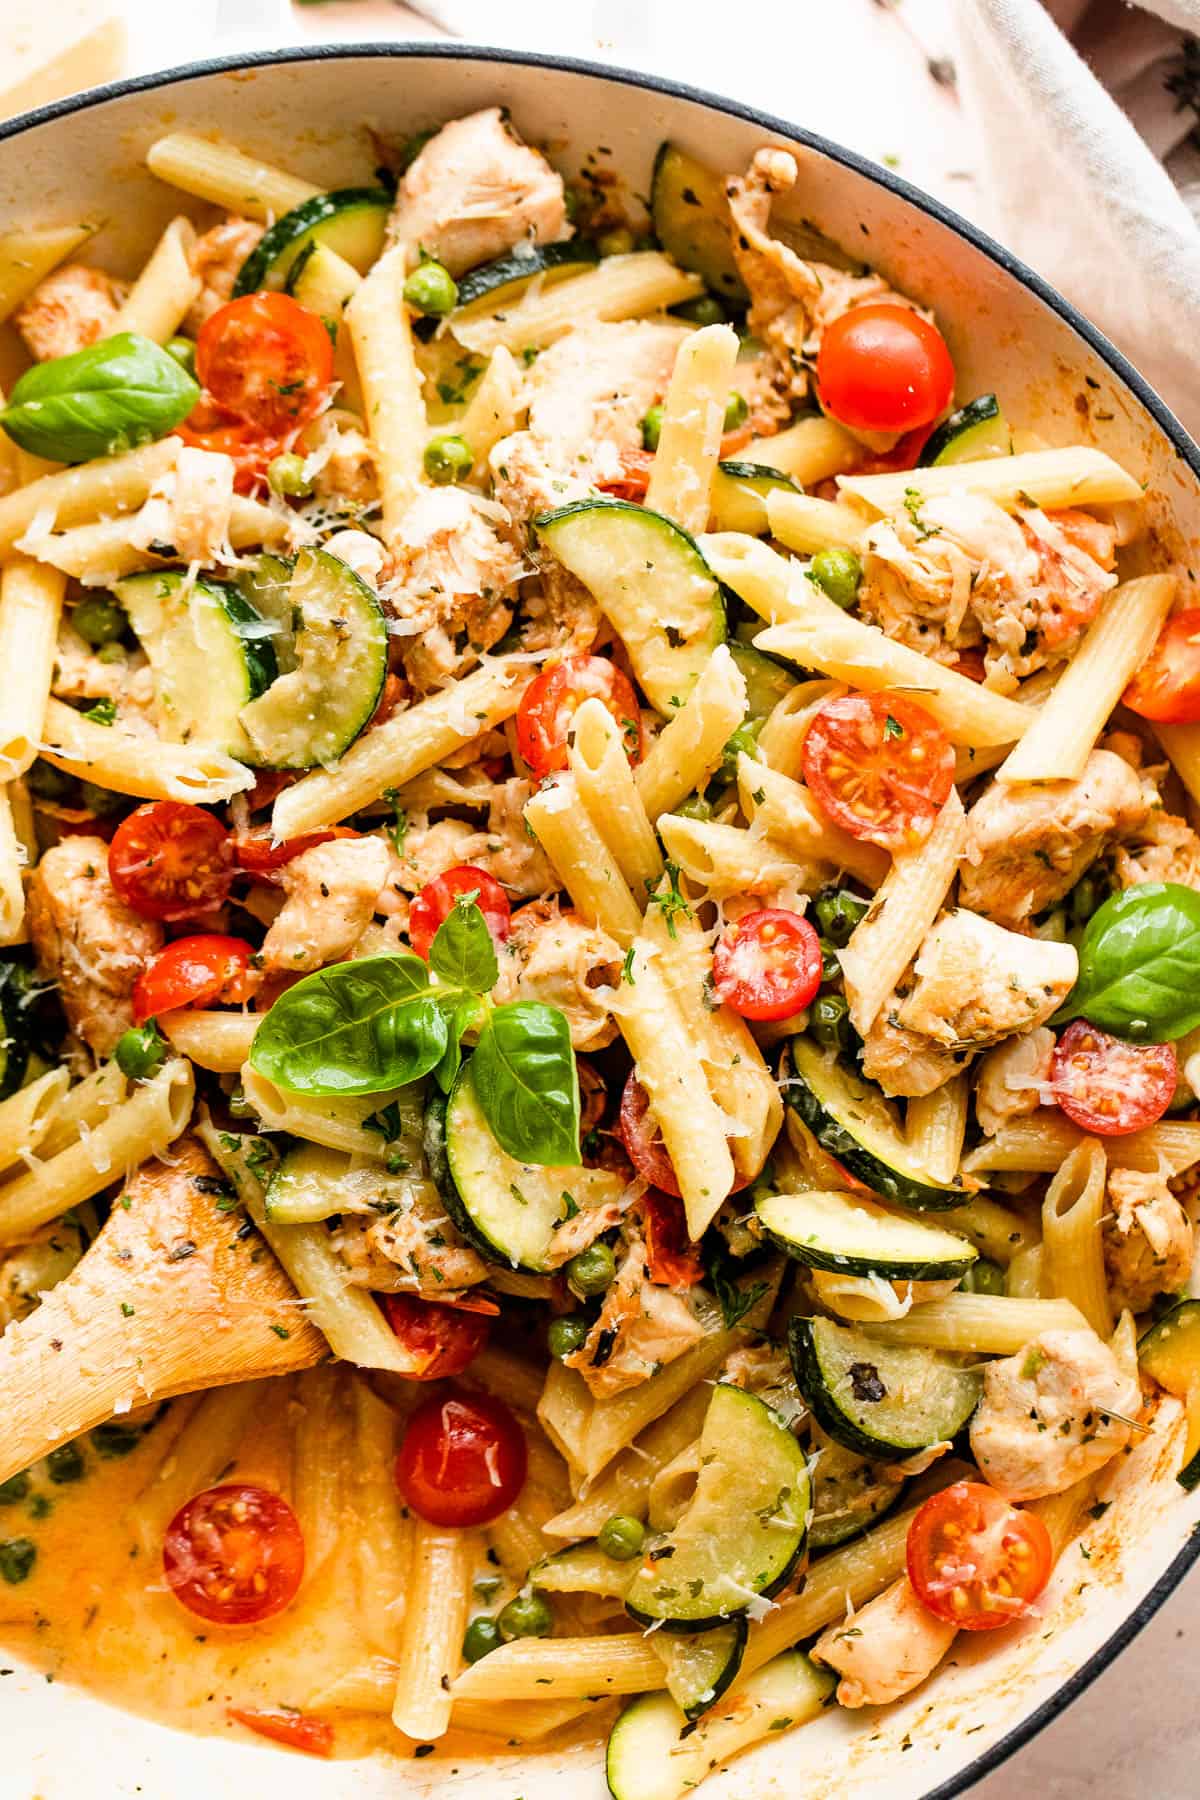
(364, 1027)
(117, 394)
(1139, 965)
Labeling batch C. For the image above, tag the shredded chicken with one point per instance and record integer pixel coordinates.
(886, 1649)
(331, 893)
(414, 1248)
(554, 957)
(69, 310)
(87, 940)
(341, 463)
(474, 191)
(81, 674)
(640, 1329)
(1164, 848)
(216, 258)
(1027, 845)
(1148, 1239)
(451, 584)
(502, 846)
(1011, 1079)
(1051, 1414)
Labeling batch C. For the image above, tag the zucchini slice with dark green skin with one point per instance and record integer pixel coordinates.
(852, 1121)
(976, 430)
(847, 1236)
(692, 220)
(850, 1495)
(738, 499)
(581, 1569)
(742, 1533)
(767, 681)
(352, 221)
(700, 1665)
(886, 1401)
(494, 285)
(15, 1003)
(651, 583)
(264, 584)
(1169, 1352)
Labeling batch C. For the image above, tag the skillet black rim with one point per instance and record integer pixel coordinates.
(1164, 418)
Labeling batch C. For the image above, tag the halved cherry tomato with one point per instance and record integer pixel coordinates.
(733, 441)
(435, 902)
(439, 1340)
(209, 427)
(882, 367)
(256, 852)
(1167, 686)
(170, 860)
(462, 1461)
(905, 453)
(975, 1560)
(767, 965)
(971, 664)
(1108, 1086)
(266, 359)
(195, 971)
(552, 698)
(634, 479)
(295, 1729)
(638, 1130)
(234, 1554)
(879, 766)
(672, 1260)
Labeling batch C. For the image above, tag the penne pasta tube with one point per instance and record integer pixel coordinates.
(321, 1453)
(206, 1447)
(1075, 476)
(990, 1324)
(31, 599)
(781, 740)
(692, 425)
(1040, 1144)
(690, 746)
(381, 333)
(159, 299)
(12, 888)
(564, 1412)
(93, 490)
(438, 1596)
(624, 1485)
(807, 524)
(492, 411)
(216, 1040)
(226, 176)
(26, 1116)
(582, 859)
(621, 287)
(935, 1126)
(27, 257)
(809, 451)
(371, 1688)
(86, 1105)
(145, 767)
(1073, 1247)
(604, 782)
(1182, 745)
(727, 859)
(1025, 1278)
(784, 811)
(335, 1121)
(104, 552)
(513, 1378)
(383, 1540)
(996, 1230)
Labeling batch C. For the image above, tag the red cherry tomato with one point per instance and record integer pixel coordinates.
(435, 902)
(256, 853)
(462, 1461)
(234, 1554)
(439, 1340)
(905, 453)
(634, 479)
(195, 971)
(672, 1260)
(169, 860)
(295, 1729)
(879, 766)
(208, 427)
(882, 367)
(638, 1131)
(767, 965)
(267, 360)
(975, 1560)
(1167, 686)
(549, 704)
(1108, 1086)
(971, 664)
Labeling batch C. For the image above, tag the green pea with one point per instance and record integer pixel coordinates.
(736, 411)
(66, 1464)
(526, 1615)
(621, 1537)
(829, 1021)
(112, 652)
(838, 574)
(1087, 896)
(17, 1557)
(100, 800)
(592, 1271)
(14, 1489)
(432, 290)
(447, 460)
(694, 807)
(837, 914)
(706, 310)
(47, 782)
(652, 428)
(983, 1277)
(565, 1336)
(98, 619)
(616, 243)
(184, 352)
(481, 1638)
(831, 968)
(140, 1052)
(744, 742)
(286, 476)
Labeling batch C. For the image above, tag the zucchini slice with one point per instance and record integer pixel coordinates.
(882, 1400)
(652, 584)
(210, 653)
(699, 1665)
(504, 282)
(848, 1236)
(976, 430)
(655, 1754)
(739, 493)
(316, 711)
(742, 1533)
(265, 585)
(1170, 1352)
(15, 1013)
(850, 1494)
(692, 220)
(351, 221)
(767, 681)
(582, 1569)
(852, 1121)
(509, 1209)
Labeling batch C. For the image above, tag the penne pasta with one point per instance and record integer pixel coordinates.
(117, 484)
(439, 1590)
(691, 744)
(935, 1126)
(692, 425)
(1073, 1261)
(993, 1324)
(105, 552)
(27, 1115)
(12, 864)
(785, 812)
(811, 450)
(143, 766)
(621, 287)
(583, 860)
(807, 524)
(159, 299)
(605, 785)
(624, 1484)
(492, 410)
(227, 177)
(27, 257)
(380, 331)
(728, 859)
(31, 600)
(215, 1040)
(384, 1535)
(1076, 476)
(1040, 1144)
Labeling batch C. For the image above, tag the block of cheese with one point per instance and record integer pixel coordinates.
(50, 51)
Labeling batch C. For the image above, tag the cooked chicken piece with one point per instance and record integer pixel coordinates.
(1027, 845)
(554, 957)
(342, 465)
(1011, 1079)
(1051, 1414)
(475, 191)
(451, 584)
(1148, 1239)
(577, 1234)
(1164, 848)
(69, 310)
(87, 940)
(640, 1328)
(331, 893)
(200, 506)
(413, 1249)
(360, 552)
(216, 257)
(515, 857)
(766, 1370)
(503, 847)
(886, 1649)
(80, 674)
(31, 1270)
(972, 984)
(791, 301)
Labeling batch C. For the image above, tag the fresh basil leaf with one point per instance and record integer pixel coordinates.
(114, 395)
(527, 1083)
(358, 1028)
(1139, 965)
(462, 952)
(459, 1018)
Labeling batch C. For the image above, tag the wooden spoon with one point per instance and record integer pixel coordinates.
(168, 1299)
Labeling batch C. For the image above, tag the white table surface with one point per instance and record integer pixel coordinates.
(857, 71)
